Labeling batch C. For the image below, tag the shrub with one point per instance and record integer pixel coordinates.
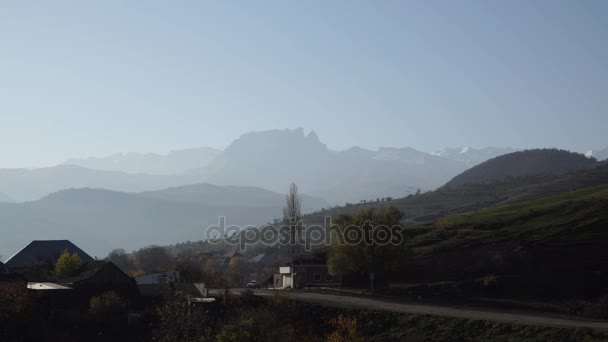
(106, 304)
(345, 330)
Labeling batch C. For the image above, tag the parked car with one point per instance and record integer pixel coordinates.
(253, 285)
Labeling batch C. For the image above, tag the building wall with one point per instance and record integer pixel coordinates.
(315, 275)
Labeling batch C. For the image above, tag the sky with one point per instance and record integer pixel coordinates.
(91, 78)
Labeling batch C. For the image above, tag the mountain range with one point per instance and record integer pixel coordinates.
(273, 159)
(100, 220)
(269, 159)
(472, 156)
(174, 162)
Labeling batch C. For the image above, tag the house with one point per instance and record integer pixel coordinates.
(7, 276)
(262, 260)
(226, 257)
(309, 270)
(3, 268)
(42, 254)
(91, 279)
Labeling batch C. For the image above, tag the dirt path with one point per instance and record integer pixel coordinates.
(476, 314)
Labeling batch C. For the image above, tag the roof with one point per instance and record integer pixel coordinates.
(44, 252)
(89, 269)
(262, 259)
(47, 286)
(233, 254)
(310, 259)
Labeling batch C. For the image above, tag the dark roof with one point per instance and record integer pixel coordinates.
(89, 269)
(233, 254)
(318, 258)
(40, 252)
(262, 259)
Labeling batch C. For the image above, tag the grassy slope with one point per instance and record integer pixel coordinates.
(467, 198)
(577, 217)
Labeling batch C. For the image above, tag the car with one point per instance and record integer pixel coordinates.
(253, 285)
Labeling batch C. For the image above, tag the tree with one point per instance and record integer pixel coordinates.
(154, 259)
(67, 264)
(16, 311)
(108, 310)
(371, 256)
(291, 215)
(238, 271)
(121, 259)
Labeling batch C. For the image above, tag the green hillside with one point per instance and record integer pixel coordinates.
(550, 246)
(524, 163)
(576, 217)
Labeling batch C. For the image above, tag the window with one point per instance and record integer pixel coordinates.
(329, 277)
(317, 276)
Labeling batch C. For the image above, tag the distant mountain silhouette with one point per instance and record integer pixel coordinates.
(214, 195)
(272, 159)
(174, 162)
(101, 220)
(472, 156)
(28, 185)
(524, 163)
(269, 159)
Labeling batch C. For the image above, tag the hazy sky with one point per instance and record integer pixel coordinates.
(87, 78)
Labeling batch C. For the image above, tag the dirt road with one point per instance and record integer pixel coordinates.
(476, 314)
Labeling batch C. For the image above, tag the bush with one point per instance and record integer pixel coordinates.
(109, 311)
(490, 282)
(345, 330)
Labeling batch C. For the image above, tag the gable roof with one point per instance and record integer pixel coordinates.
(40, 252)
(232, 254)
(88, 269)
(262, 259)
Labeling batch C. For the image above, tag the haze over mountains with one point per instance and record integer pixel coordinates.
(174, 162)
(269, 159)
(101, 220)
(472, 156)
(104, 208)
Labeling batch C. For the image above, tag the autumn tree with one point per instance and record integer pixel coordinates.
(67, 264)
(368, 255)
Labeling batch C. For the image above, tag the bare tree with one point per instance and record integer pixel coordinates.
(291, 211)
(292, 215)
